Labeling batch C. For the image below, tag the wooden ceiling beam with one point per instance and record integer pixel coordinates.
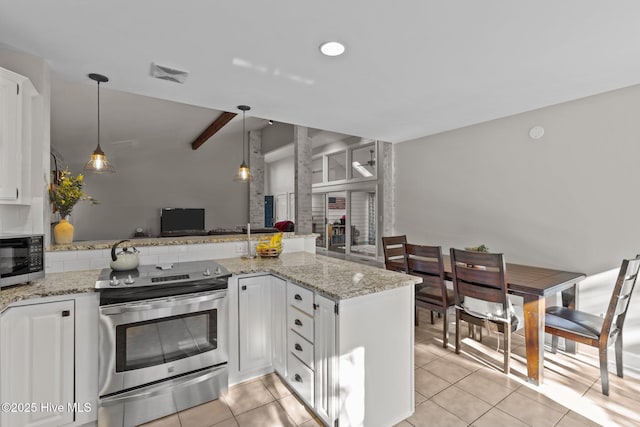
(214, 127)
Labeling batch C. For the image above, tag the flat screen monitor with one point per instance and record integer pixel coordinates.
(178, 220)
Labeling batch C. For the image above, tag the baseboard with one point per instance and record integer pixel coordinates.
(238, 377)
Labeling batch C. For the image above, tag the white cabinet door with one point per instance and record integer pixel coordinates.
(325, 358)
(10, 136)
(279, 325)
(37, 364)
(254, 322)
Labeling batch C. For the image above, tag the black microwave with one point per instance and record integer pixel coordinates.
(21, 258)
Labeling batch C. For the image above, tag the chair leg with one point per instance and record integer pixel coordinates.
(554, 344)
(507, 348)
(432, 322)
(604, 372)
(416, 321)
(445, 329)
(619, 366)
(458, 331)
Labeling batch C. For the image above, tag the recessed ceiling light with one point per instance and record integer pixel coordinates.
(332, 48)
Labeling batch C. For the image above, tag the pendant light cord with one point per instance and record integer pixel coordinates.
(243, 136)
(99, 116)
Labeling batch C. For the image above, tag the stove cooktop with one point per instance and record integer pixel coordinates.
(162, 274)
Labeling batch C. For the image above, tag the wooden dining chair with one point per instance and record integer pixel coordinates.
(480, 289)
(393, 249)
(587, 328)
(432, 293)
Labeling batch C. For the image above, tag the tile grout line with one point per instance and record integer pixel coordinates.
(446, 410)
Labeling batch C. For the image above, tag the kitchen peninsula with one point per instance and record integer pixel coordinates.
(363, 358)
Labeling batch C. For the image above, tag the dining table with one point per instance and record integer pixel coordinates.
(534, 284)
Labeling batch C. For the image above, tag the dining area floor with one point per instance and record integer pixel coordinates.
(466, 389)
(470, 389)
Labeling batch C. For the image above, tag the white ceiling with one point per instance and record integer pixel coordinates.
(411, 68)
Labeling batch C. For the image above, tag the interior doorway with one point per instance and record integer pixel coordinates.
(346, 221)
(363, 223)
(337, 221)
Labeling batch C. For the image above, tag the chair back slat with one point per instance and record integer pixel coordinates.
(622, 291)
(484, 259)
(426, 262)
(394, 252)
(480, 292)
(479, 275)
(423, 266)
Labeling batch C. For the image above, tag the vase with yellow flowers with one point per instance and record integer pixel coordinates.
(64, 197)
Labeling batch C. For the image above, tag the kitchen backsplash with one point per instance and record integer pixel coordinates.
(75, 260)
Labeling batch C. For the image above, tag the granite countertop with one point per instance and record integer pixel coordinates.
(72, 282)
(167, 241)
(332, 277)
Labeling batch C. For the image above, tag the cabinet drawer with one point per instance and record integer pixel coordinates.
(300, 298)
(300, 322)
(302, 348)
(300, 378)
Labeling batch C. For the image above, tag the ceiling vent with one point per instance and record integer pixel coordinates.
(167, 73)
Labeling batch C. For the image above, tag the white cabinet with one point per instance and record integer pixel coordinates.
(279, 325)
(10, 135)
(254, 323)
(361, 373)
(325, 358)
(37, 364)
(351, 361)
(312, 357)
(16, 98)
(300, 358)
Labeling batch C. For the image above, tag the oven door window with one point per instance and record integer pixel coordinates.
(14, 257)
(158, 341)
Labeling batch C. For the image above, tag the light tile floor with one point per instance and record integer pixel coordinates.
(452, 390)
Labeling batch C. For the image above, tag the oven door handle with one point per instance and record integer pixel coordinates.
(166, 302)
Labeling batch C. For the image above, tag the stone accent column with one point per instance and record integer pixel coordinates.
(256, 186)
(302, 164)
(386, 199)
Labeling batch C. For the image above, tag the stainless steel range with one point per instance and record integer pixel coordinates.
(163, 340)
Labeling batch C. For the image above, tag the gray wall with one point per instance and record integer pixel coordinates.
(173, 177)
(568, 200)
(148, 141)
(276, 136)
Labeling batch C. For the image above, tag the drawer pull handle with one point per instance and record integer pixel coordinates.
(298, 322)
(297, 378)
(298, 347)
(66, 313)
(297, 297)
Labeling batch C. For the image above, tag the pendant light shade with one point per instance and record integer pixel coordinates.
(244, 174)
(98, 162)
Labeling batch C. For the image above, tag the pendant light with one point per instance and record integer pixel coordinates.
(98, 162)
(244, 174)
